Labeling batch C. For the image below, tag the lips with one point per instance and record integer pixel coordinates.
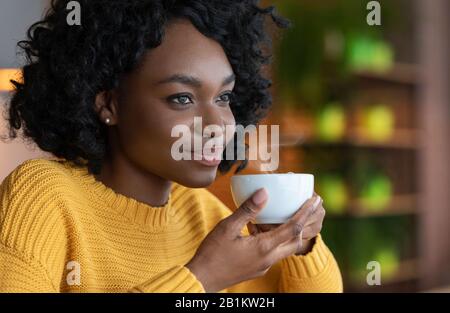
(214, 155)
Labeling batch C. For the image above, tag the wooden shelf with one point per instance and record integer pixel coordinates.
(400, 73)
(399, 205)
(443, 289)
(401, 139)
(407, 272)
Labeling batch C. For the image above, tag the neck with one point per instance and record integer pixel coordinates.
(126, 178)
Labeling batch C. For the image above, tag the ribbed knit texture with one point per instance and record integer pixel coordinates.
(61, 230)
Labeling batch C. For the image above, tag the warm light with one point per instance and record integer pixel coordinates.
(6, 74)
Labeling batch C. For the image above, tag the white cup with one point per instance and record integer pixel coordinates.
(287, 193)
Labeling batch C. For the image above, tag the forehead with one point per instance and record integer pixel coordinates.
(186, 50)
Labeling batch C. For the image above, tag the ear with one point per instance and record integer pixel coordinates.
(106, 106)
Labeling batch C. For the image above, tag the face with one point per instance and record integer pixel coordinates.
(187, 76)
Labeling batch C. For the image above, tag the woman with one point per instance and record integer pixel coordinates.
(114, 211)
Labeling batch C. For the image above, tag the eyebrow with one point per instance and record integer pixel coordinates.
(193, 81)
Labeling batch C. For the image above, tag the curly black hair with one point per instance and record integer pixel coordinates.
(67, 66)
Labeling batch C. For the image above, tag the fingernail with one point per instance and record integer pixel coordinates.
(260, 196)
(316, 202)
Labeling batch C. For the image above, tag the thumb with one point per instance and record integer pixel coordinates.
(247, 211)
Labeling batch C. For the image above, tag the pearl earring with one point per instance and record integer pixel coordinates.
(107, 120)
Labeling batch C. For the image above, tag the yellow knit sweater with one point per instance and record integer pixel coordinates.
(61, 230)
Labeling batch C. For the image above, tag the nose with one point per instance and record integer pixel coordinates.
(211, 115)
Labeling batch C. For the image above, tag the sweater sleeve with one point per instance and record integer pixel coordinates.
(30, 259)
(177, 279)
(19, 273)
(316, 271)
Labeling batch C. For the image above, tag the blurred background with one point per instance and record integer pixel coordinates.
(366, 109)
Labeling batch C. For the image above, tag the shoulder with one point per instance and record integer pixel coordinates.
(35, 172)
(29, 196)
(36, 177)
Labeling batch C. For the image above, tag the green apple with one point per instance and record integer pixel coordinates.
(333, 190)
(360, 53)
(379, 122)
(389, 261)
(382, 57)
(376, 193)
(331, 122)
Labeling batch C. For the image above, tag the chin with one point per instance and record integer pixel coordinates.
(198, 179)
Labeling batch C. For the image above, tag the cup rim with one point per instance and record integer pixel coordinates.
(274, 174)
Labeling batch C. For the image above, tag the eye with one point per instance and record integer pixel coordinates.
(226, 97)
(182, 99)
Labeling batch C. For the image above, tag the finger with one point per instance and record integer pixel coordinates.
(306, 234)
(294, 226)
(297, 243)
(246, 212)
(252, 228)
(317, 216)
(308, 208)
(289, 248)
(267, 227)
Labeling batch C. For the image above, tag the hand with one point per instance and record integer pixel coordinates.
(225, 257)
(311, 229)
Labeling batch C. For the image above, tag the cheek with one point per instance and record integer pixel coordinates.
(145, 130)
(137, 125)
